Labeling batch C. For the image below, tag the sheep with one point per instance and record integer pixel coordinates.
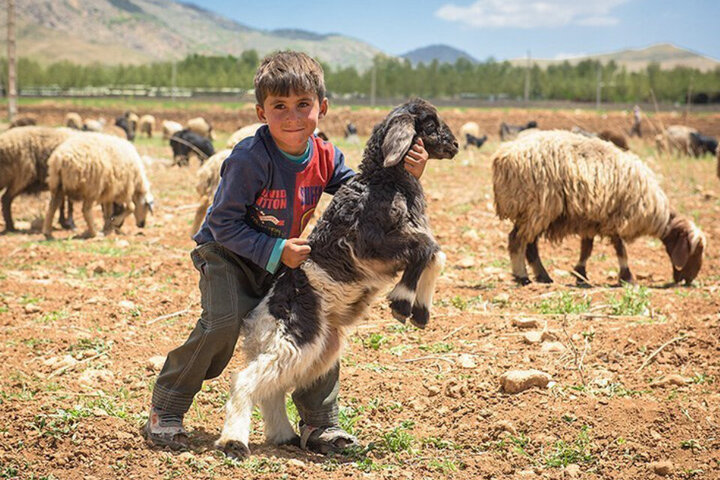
(98, 168)
(200, 126)
(133, 120)
(617, 138)
(475, 141)
(678, 138)
(469, 128)
(126, 125)
(184, 142)
(351, 133)
(169, 128)
(23, 121)
(702, 144)
(375, 227)
(241, 133)
(584, 133)
(509, 132)
(91, 125)
(24, 153)
(73, 120)
(146, 125)
(558, 183)
(208, 177)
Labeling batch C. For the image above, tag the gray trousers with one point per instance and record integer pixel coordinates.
(230, 288)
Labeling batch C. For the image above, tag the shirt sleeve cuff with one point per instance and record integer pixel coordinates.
(274, 261)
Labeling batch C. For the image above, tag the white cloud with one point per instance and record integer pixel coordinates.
(531, 13)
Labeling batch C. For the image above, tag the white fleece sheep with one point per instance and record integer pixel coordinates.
(676, 138)
(200, 126)
(556, 183)
(98, 168)
(169, 128)
(471, 128)
(146, 125)
(208, 177)
(242, 133)
(24, 153)
(73, 120)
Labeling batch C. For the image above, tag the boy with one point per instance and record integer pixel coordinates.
(269, 187)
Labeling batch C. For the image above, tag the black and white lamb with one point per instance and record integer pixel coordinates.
(478, 142)
(510, 132)
(374, 228)
(185, 142)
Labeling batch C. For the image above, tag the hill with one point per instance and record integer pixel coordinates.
(441, 53)
(143, 31)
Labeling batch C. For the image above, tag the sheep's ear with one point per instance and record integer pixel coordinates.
(681, 252)
(398, 140)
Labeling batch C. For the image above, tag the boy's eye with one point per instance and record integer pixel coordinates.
(304, 104)
(279, 106)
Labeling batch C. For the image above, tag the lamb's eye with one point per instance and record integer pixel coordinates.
(428, 125)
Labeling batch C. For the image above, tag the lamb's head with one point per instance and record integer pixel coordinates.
(685, 244)
(144, 203)
(415, 119)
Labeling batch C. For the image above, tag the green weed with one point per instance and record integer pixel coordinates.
(399, 438)
(375, 341)
(635, 300)
(563, 304)
(438, 347)
(575, 452)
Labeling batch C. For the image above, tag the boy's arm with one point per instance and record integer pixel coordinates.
(241, 181)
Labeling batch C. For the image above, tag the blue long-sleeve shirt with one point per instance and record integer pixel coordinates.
(264, 198)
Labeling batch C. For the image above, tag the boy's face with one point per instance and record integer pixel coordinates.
(292, 119)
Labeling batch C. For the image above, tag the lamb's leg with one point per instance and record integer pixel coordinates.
(55, 201)
(7, 212)
(533, 257)
(626, 275)
(402, 297)
(426, 288)
(67, 222)
(517, 248)
(586, 247)
(278, 429)
(90, 232)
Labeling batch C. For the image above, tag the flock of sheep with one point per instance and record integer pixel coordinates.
(574, 182)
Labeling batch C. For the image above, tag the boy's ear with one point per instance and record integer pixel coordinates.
(323, 107)
(260, 111)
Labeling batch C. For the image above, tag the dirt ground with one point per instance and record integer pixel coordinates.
(85, 324)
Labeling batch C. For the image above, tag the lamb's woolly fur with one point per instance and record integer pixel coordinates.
(200, 126)
(241, 133)
(676, 138)
(73, 120)
(169, 128)
(375, 227)
(208, 177)
(556, 183)
(24, 153)
(98, 168)
(471, 128)
(146, 125)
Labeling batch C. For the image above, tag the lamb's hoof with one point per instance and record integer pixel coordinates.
(401, 309)
(543, 278)
(420, 316)
(234, 449)
(581, 279)
(68, 225)
(626, 276)
(522, 280)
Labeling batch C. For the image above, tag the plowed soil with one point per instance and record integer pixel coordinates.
(635, 370)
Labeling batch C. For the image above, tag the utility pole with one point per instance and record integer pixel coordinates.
(12, 90)
(527, 78)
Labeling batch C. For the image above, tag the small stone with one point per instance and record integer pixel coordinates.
(32, 308)
(670, 380)
(433, 390)
(156, 363)
(466, 262)
(516, 381)
(126, 304)
(60, 362)
(572, 470)
(501, 298)
(553, 347)
(96, 379)
(655, 435)
(525, 322)
(532, 338)
(122, 243)
(506, 426)
(662, 468)
(466, 360)
(296, 463)
(471, 234)
(98, 267)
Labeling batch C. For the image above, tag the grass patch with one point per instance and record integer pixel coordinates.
(634, 301)
(438, 347)
(375, 341)
(399, 439)
(566, 453)
(563, 304)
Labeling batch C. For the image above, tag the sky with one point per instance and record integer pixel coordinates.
(502, 29)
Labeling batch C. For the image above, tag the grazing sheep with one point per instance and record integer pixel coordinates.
(73, 120)
(351, 133)
(133, 120)
(469, 128)
(146, 125)
(23, 121)
(374, 228)
(557, 183)
(208, 177)
(475, 141)
(169, 128)
(509, 132)
(678, 138)
(185, 142)
(200, 126)
(125, 124)
(615, 137)
(98, 168)
(24, 153)
(92, 125)
(241, 133)
(702, 144)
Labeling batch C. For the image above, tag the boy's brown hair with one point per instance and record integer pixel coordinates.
(283, 72)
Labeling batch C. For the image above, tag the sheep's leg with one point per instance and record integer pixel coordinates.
(517, 248)
(533, 257)
(7, 212)
(55, 200)
(67, 222)
(426, 288)
(199, 216)
(278, 429)
(90, 232)
(586, 247)
(626, 275)
(403, 296)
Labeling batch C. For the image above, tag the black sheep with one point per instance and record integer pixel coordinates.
(473, 140)
(702, 144)
(185, 142)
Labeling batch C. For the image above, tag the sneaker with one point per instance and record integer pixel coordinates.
(330, 439)
(165, 430)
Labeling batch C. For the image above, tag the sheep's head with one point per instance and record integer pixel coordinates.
(416, 119)
(685, 244)
(144, 204)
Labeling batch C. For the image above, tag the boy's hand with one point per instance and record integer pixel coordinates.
(295, 252)
(416, 159)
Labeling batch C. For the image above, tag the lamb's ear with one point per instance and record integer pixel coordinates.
(398, 140)
(681, 252)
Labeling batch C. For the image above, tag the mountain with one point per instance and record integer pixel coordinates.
(143, 31)
(667, 55)
(441, 53)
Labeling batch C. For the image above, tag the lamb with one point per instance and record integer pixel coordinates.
(73, 120)
(557, 183)
(241, 133)
(125, 124)
(351, 133)
(23, 121)
(375, 227)
(208, 177)
(184, 142)
(92, 125)
(98, 168)
(702, 144)
(615, 137)
(133, 120)
(200, 126)
(24, 153)
(509, 132)
(469, 128)
(169, 128)
(677, 138)
(146, 125)
(475, 141)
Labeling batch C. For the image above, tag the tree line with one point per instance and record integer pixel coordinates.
(398, 77)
